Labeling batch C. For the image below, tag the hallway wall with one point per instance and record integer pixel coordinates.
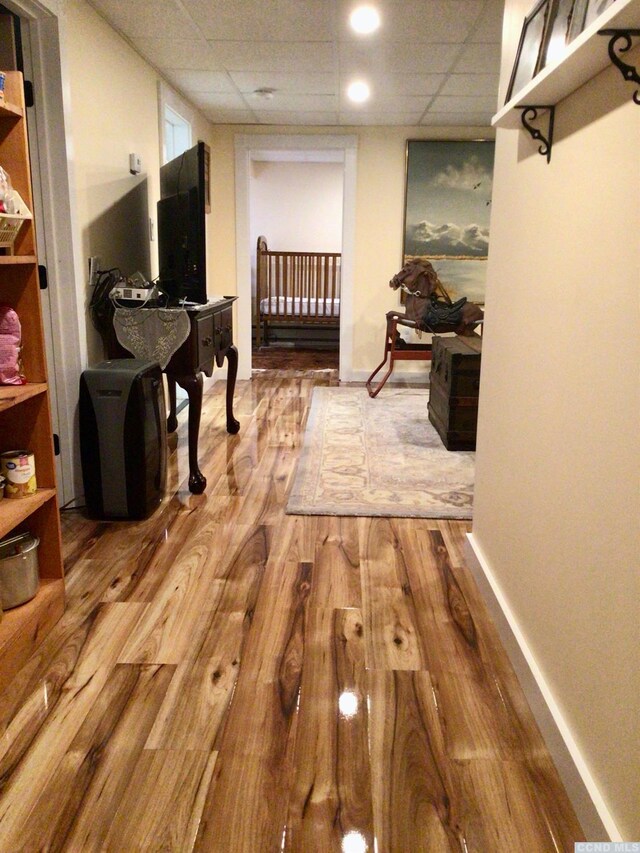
(113, 111)
(297, 206)
(557, 502)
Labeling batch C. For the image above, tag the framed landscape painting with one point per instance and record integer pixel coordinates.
(447, 211)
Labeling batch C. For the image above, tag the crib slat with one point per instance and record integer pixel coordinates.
(300, 287)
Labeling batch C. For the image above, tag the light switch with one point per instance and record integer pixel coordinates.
(135, 164)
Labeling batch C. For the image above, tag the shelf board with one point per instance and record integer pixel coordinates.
(13, 511)
(11, 395)
(10, 110)
(18, 259)
(586, 56)
(23, 628)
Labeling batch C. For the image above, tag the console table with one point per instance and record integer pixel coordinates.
(209, 342)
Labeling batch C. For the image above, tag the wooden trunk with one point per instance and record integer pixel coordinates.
(454, 386)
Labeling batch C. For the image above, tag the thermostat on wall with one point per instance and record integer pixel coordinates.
(135, 164)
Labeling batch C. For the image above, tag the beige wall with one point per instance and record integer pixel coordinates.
(113, 113)
(297, 206)
(557, 500)
(113, 110)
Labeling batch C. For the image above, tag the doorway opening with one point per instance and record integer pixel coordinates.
(274, 179)
(296, 238)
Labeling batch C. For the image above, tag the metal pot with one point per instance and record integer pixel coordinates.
(19, 576)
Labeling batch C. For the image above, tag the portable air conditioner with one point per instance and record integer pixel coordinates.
(123, 439)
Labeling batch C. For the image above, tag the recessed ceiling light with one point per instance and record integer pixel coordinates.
(365, 19)
(358, 92)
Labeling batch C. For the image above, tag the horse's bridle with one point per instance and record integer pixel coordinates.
(439, 287)
(403, 286)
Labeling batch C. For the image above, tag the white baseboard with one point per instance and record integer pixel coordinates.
(590, 808)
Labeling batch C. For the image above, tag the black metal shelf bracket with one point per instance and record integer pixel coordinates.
(620, 41)
(529, 114)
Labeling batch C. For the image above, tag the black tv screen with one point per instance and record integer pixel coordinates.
(184, 190)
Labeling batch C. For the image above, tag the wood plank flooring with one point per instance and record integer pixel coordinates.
(230, 678)
(275, 357)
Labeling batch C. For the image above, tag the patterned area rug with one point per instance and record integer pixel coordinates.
(378, 457)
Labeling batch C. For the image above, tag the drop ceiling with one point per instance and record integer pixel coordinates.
(431, 63)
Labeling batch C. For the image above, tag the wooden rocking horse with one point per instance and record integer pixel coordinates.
(428, 309)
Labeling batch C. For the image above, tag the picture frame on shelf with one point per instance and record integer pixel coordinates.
(558, 31)
(593, 10)
(577, 19)
(447, 211)
(530, 47)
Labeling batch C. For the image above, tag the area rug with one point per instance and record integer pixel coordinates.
(381, 456)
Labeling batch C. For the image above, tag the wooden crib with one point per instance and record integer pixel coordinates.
(295, 289)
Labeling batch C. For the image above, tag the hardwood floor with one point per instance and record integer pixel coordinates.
(274, 357)
(230, 678)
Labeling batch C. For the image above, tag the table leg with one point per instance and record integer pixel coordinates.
(172, 420)
(192, 384)
(232, 371)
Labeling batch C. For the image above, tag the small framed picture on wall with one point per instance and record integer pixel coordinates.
(530, 49)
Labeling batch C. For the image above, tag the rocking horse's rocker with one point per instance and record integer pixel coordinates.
(428, 309)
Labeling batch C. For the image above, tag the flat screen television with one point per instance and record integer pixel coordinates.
(184, 202)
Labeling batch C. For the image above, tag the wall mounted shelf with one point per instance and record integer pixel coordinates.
(586, 56)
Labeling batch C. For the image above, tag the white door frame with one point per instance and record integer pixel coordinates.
(56, 234)
(288, 147)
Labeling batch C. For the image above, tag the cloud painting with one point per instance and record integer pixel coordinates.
(448, 201)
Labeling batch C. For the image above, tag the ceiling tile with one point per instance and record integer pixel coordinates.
(461, 104)
(328, 118)
(309, 84)
(223, 116)
(478, 58)
(466, 119)
(419, 85)
(489, 27)
(378, 119)
(292, 57)
(412, 21)
(222, 100)
(277, 20)
(380, 103)
(203, 81)
(293, 103)
(167, 53)
(392, 58)
(148, 18)
(479, 84)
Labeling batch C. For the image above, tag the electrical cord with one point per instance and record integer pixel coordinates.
(100, 306)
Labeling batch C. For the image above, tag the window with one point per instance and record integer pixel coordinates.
(177, 134)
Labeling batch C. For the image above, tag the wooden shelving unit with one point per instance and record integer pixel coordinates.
(25, 416)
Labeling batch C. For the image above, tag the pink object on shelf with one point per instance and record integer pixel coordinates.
(10, 340)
